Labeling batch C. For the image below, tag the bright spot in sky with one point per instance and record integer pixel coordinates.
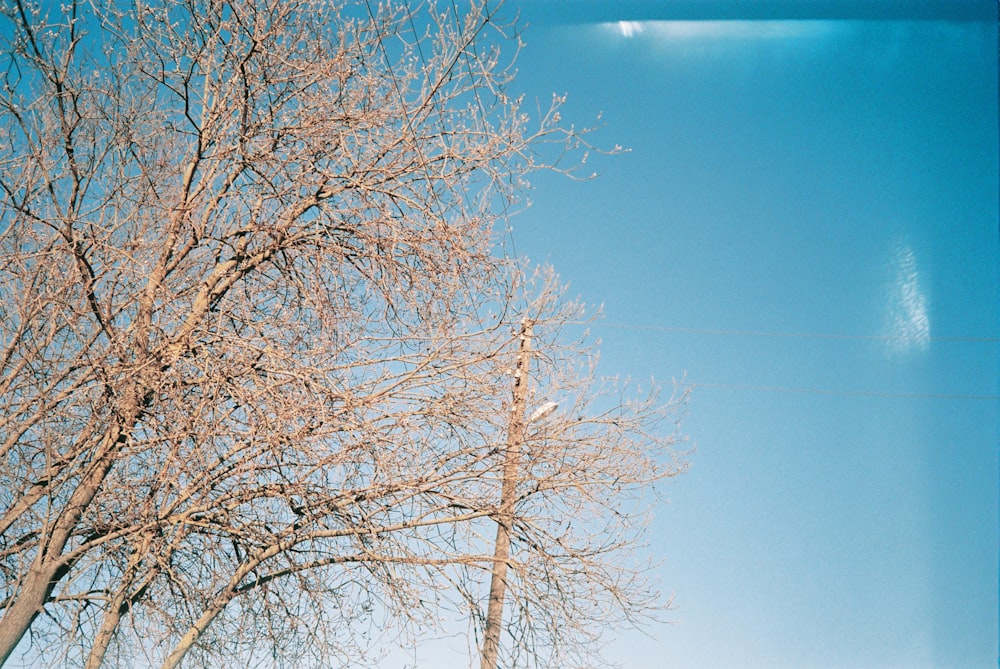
(684, 30)
(629, 28)
(907, 319)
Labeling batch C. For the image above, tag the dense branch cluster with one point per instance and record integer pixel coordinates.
(256, 342)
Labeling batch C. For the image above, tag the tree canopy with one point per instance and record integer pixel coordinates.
(258, 339)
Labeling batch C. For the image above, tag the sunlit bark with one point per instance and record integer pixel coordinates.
(255, 340)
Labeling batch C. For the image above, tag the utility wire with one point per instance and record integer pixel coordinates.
(805, 335)
(845, 393)
(760, 333)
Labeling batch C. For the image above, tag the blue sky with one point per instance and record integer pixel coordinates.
(805, 227)
(805, 230)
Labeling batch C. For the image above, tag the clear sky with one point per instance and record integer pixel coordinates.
(806, 226)
(804, 229)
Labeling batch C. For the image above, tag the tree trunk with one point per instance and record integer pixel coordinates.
(50, 566)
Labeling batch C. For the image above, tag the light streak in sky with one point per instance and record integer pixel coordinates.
(908, 321)
(630, 28)
(721, 29)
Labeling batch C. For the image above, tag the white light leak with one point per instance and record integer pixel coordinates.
(629, 28)
(721, 29)
(908, 322)
(543, 411)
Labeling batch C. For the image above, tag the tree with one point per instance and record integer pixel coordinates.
(255, 341)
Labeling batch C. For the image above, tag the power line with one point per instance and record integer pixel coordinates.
(761, 333)
(845, 393)
(807, 335)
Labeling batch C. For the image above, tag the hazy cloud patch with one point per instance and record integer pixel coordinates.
(907, 314)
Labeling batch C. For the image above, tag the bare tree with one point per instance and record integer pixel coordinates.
(255, 342)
